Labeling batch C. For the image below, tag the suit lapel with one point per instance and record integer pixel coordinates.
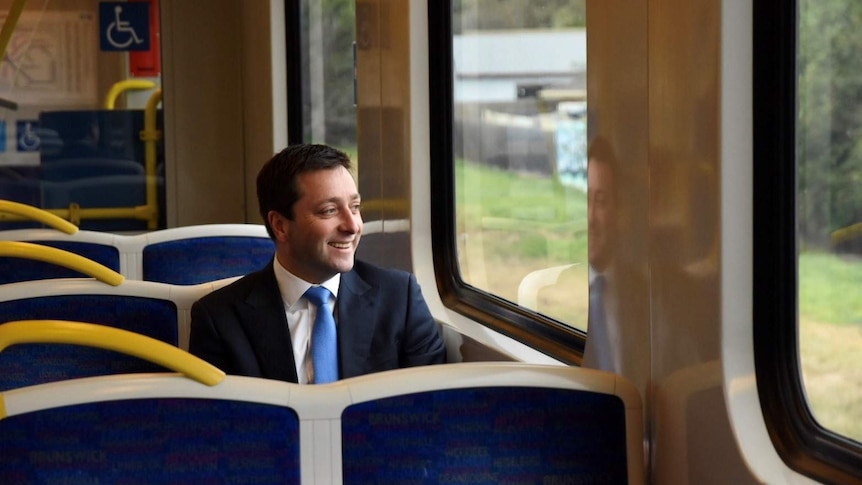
(262, 316)
(356, 309)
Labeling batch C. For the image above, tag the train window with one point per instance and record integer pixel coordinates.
(508, 140)
(78, 83)
(807, 245)
(829, 137)
(520, 142)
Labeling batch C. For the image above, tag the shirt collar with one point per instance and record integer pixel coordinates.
(293, 287)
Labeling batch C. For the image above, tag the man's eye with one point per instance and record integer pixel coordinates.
(328, 212)
(356, 207)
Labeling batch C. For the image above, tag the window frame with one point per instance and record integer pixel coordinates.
(802, 443)
(293, 56)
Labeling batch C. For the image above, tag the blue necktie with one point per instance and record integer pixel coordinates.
(597, 329)
(324, 345)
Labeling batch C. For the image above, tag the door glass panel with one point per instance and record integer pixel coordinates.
(80, 124)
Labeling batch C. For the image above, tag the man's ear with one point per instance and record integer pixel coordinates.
(279, 225)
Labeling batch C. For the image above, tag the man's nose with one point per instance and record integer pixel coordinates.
(351, 223)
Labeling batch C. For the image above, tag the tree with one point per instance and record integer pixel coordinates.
(830, 118)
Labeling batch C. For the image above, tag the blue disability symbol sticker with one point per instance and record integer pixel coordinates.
(124, 26)
(28, 139)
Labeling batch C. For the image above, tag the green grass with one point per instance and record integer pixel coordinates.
(830, 314)
(830, 288)
(522, 216)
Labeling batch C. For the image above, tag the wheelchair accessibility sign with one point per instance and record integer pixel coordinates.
(28, 138)
(124, 26)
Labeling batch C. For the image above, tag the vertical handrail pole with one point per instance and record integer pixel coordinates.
(151, 135)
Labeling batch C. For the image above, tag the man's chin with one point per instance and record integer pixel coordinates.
(343, 266)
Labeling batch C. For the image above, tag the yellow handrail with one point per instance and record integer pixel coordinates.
(400, 205)
(37, 214)
(60, 257)
(126, 85)
(118, 340)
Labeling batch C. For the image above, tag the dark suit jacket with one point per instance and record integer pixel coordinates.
(383, 323)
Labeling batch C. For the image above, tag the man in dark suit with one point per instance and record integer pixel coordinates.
(263, 324)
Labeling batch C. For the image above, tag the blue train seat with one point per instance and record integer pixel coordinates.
(494, 423)
(27, 191)
(157, 310)
(196, 254)
(13, 269)
(27, 261)
(101, 192)
(18, 263)
(184, 256)
(199, 427)
(86, 168)
(386, 243)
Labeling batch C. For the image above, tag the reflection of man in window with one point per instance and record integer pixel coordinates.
(602, 211)
(618, 336)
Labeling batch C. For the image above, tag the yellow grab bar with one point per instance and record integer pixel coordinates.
(126, 85)
(39, 215)
(60, 257)
(118, 340)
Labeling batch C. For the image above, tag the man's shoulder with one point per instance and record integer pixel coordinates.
(237, 289)
(379, 276)
(373, 273)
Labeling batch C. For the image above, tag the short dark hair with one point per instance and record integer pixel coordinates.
(277, 187)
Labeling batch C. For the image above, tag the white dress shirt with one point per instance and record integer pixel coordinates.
(300, 316)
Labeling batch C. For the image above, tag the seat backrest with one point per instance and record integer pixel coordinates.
(102, 192)
(493, 423)
(83, 168)
(150, 429)
(528, 288)
(144, 428)
(195, 254)
(386, 243)
(96, 246)
(157, 310)
(183, 256)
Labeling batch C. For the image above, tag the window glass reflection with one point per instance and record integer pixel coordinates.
(80, 118)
